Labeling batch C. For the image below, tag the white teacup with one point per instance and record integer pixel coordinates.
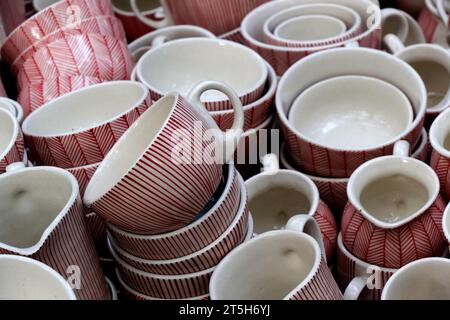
(352, 113)
(432, 63)
(425, 279)
(27, 279)
(310, 28)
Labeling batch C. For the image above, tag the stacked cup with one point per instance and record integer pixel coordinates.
(66, 46)
(174, 208)
(283, 32)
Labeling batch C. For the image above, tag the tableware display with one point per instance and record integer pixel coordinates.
(432, 63)
(283, 265)
(281, 58)
(388, 197)
(402, 25)
(190, 185)
(204, 59)
(28, 279)
(420, 280)
(350, 18)
(440, 157)
(79, 129)
(198, 234)
(54, 230)
(11, 140)
(323, 161)
(275, 196)
(215, 15)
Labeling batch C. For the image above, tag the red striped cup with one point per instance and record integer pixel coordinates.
(54, 231)
(97, 228)
(60, 15)
(440, 157)
(198, 235)
(11, 143)
(84, 175)
(204, 58)
(92, 55)
(234, 35)
(206, 258)
(283, 265)
(446, 224)
(79, 128)
(164, 189)
(104, 25)
(36, 94)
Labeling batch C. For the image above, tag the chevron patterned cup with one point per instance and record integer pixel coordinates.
(12, 148)
(80, 128)
(394, 213)
(440, 157)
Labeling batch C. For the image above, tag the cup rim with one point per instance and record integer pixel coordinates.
(232, 172)
(406, 106)
(56, 103)
(267, 235)
(71, 201)
(435, 129)
(260, 44)
(45, 268)
(178, 42)
(15, 134)
(312, 43)
(354, 199)
(89, 166)
(411, 266)
(446, 223)
(282, 114)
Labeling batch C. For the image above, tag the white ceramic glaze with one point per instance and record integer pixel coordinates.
(439, 131)
(405, 27)
(9, 131)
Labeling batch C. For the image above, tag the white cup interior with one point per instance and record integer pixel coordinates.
(426, 279)
(310, 28)
(274, 199)
(8, 132)
(144, 5)
(85, 109)
(268, 267)
(181, 64)
(31, 202)
(27, 279)
(351, 113)
(5, 105)
(398, 184)
(440, 134)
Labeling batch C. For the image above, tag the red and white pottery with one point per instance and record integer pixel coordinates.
(12, 146)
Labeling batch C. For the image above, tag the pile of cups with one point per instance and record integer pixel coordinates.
(172, 214)
(66, 46)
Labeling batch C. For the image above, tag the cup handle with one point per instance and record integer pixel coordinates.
(402, 148)
(393, 43)
(306, 224)
(228, 140)
(355, 288)
(149, 22)
(441, 11)
(271, 164)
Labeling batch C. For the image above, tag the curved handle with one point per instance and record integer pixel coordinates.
(15, 167)
(442, 12)
(137, 54)
(271, 165)
(230, 139)
(355, 288)
(402, 25)
(307, 224)
(167, 21)
(6, 105)
(402, 148)
(393, 43)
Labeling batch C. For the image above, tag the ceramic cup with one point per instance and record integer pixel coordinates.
(159, 161)
(83, 175)
(199, 234)
(204, 59)
(47, 210)
(359, 280)
(234, 35)
(322, 161)
(432, 63)
(204, 259)
(13, 107)
(446, 224)
(440, 157)
(421, 280)
(141, 45)
(393, 196)
(100, 25)
(62, 14)
(214, 15)
(93, 55)
(283, 265)
(28, 279)
(351, 113)
(402, 25)
(350, 25)
(12, 147)
(275, 196)
(282, 58)
(79, 128)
